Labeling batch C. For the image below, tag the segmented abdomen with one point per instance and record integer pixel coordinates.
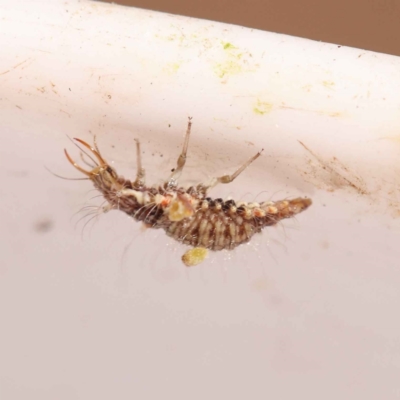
(212, 230)
(228, 228)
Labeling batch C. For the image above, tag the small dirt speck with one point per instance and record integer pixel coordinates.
(44, 225)
(18, 174)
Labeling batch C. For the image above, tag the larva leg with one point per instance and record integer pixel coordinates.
(182, 157)
(141, 173)
(230, 178)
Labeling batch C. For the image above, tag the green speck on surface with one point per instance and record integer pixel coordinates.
(328, 84)
(227, 68)
(262, 107)
(172, 68)
(232, 60)
(228, 46)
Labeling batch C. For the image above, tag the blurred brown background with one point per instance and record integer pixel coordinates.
(366, 24)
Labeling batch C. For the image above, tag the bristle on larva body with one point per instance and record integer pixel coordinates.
(187, 215)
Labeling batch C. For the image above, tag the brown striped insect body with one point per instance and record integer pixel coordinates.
(187, 215)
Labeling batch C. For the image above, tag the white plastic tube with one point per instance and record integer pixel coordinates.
(113, 313)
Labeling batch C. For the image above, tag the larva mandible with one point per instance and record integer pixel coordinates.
(187, 215)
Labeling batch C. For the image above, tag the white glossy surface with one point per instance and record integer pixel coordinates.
(310, 309)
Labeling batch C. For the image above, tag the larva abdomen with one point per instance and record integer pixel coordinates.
(228, 227)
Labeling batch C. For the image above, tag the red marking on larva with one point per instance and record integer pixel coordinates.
(186, 214)
(165, 202)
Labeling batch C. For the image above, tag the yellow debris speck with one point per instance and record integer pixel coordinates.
(194, 256)
(180, 210)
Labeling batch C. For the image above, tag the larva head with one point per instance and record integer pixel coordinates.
(102, 174)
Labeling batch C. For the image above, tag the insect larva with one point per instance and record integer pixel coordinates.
(187, 215)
